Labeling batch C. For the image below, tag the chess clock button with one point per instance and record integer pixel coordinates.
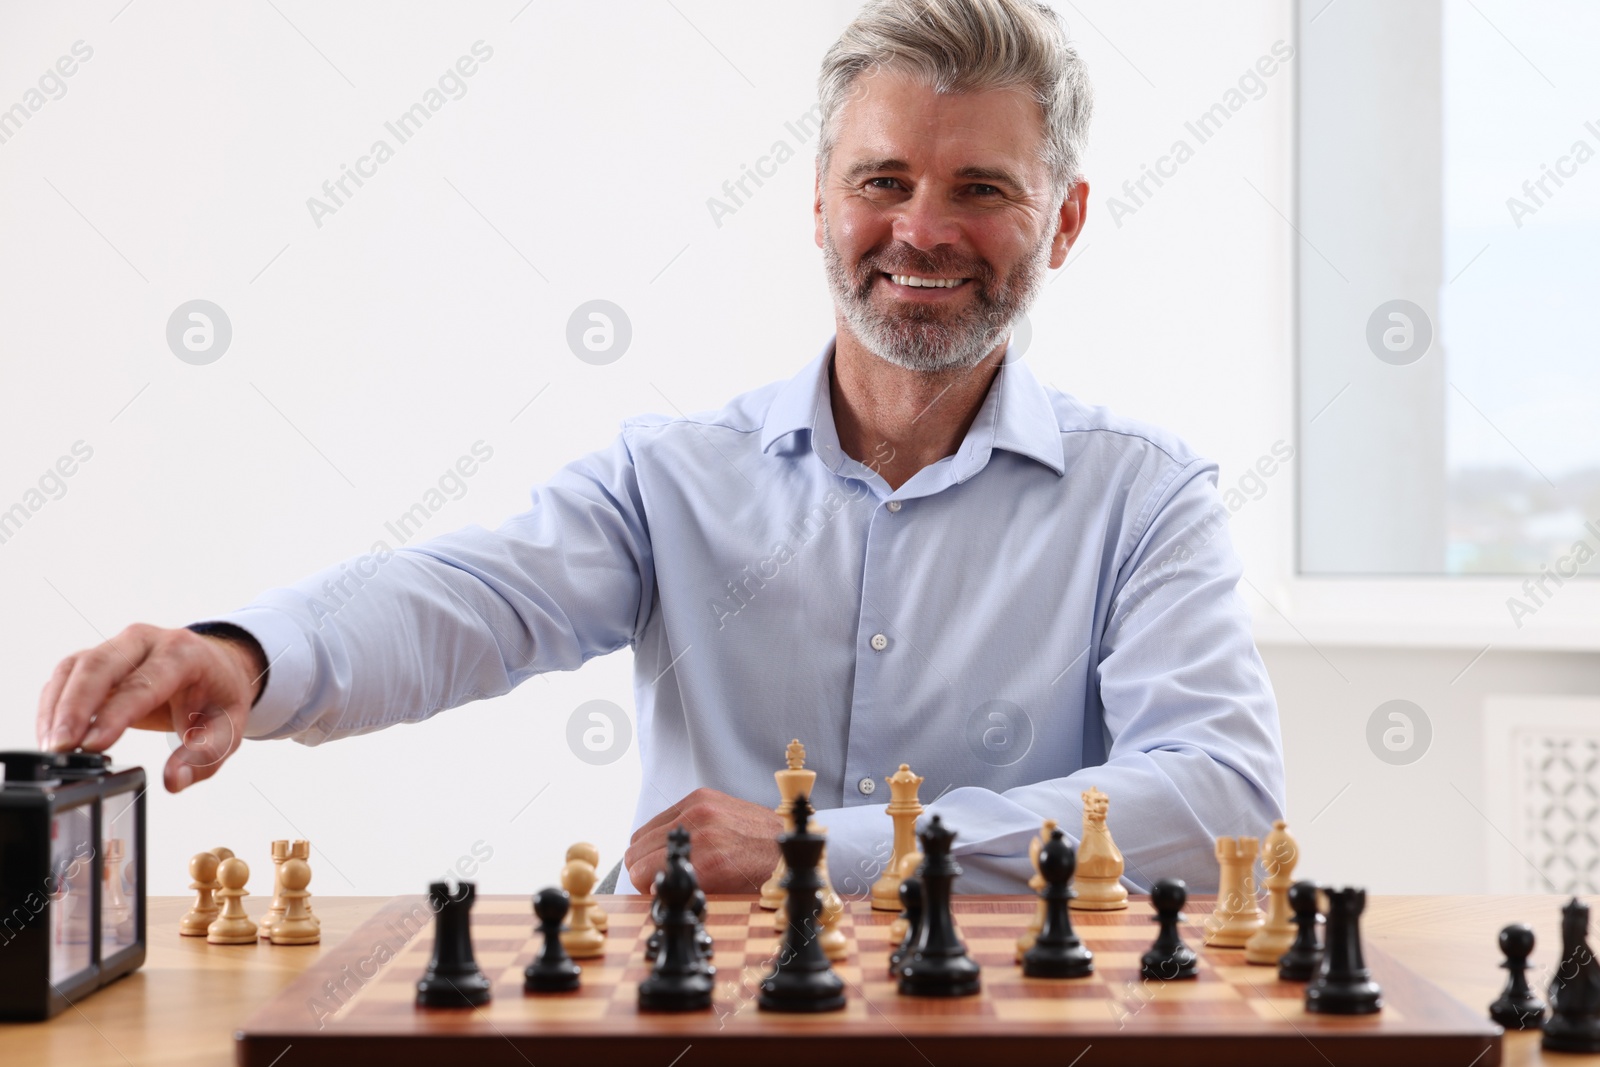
(867, 786)
(879, 642)
(893, 505)
(30, 766)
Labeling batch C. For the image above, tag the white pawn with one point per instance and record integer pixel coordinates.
(233, 926)
(203, 880)
(581, 940)
(296, 925)
(590, 855)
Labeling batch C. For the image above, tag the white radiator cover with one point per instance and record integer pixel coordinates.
(1541, 771)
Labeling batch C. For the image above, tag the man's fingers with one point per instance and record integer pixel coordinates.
(147, 688)
(662, 821)
(681, 812)
(182, 770)
(639, 848)
(44, 721)
(93, 675)
(177, 775)
(207, 736)
(642, 872)
(159, 719)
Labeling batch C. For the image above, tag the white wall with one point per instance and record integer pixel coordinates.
(370, 352)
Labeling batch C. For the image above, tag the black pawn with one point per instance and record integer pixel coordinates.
(652, 946)
(1519, 1007)
(1574, 1023)
(1343, 985)
(703, 942)
(1057, 952)
(1169, 959)
(938, 964)
(679, 980)
(911, 912)
(802, 979)
(452, 979)
(552, 971)
(1300, 963)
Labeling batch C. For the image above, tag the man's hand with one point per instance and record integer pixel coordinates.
(734, 843)
(199, 687)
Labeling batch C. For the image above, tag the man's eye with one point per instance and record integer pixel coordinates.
(873, 182)
(986, 190)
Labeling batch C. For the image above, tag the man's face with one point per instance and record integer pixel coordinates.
(924, 188)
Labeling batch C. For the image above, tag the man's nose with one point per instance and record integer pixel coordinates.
(926, 220)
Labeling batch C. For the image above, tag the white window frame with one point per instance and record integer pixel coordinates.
(1474, 612)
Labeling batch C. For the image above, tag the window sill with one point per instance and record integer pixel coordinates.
(1445, 612)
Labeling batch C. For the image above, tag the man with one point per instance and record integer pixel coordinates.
(911, 552)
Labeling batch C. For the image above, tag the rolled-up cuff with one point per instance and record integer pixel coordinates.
(860, 845)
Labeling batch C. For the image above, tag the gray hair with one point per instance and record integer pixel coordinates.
(963, 46)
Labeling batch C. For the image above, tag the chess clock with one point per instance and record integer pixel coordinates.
(72, 878)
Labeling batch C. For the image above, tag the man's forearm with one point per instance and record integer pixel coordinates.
(1163, 830)
(396, 635)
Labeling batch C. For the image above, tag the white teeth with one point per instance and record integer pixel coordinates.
(927, 283)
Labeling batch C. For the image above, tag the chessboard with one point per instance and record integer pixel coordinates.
(355, 1004)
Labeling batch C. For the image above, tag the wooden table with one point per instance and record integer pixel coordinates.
(182, 1007)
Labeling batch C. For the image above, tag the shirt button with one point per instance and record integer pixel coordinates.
(894, 505)
(867, 787)
(879, 642)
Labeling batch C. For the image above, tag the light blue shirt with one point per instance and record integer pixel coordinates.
(1051, 607)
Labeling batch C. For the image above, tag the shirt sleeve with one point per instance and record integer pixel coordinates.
(395, 636)
(1194, 751)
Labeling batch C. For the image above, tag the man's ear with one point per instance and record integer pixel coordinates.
(816, 204)
(1069, 225)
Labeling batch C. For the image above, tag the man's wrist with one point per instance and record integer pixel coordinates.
(238, 636)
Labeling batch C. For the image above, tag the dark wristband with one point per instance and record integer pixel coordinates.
(239, 635)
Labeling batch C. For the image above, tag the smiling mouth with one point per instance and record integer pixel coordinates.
(917, 281)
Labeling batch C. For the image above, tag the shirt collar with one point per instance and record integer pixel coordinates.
(1016, 416)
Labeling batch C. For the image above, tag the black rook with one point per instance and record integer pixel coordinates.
(1574, 1024)
(452, 979)
(1343, 985)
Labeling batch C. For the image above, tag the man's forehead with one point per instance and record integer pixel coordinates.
(896, 119)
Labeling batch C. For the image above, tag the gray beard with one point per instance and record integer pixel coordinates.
(930, 339)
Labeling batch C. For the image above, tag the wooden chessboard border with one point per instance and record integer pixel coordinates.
(1199, 1022)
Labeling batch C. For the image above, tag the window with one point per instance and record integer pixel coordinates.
(1449, 218)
